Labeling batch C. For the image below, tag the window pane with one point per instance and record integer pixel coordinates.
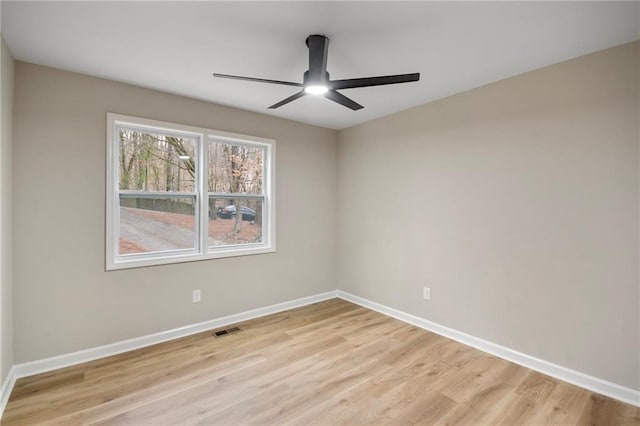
(235, 168)
(149, 161)
(156, 224)
(227, 228)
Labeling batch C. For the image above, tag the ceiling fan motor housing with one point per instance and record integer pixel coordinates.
(318, 50)
(307, 82)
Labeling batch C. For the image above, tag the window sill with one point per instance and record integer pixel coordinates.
(138, 262)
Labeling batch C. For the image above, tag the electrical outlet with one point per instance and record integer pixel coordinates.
(196, 296)
(426, 293)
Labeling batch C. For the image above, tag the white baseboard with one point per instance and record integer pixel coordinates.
(613, 390)
(7, 387)
(73, 358)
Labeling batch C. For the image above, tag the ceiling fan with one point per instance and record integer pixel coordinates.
(316, 79)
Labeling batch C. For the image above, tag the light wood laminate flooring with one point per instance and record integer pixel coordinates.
(323, 364)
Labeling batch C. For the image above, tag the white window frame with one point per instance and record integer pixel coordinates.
(201, 251)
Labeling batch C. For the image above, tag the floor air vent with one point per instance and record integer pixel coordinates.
(221, 333)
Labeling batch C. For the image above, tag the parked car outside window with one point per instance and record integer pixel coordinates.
(229, 212)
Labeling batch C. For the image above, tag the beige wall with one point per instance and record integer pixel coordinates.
(6, 276)
(517, 203)
(64, 300)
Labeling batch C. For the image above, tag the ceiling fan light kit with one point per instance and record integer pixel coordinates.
(316, 89)
(316, 79)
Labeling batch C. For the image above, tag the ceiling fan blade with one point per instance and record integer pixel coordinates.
(289, 99)
(373, 81)
(257, 80)
(342, 100)
(318, 49)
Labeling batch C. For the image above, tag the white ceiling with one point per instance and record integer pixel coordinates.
(175, 46)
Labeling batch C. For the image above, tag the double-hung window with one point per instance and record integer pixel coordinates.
(179, 193)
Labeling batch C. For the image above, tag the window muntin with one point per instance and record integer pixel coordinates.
(173, 192)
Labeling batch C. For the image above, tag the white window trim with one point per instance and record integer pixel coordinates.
(202, 251)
